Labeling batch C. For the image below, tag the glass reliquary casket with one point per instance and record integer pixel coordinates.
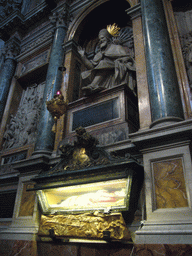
(88, 191)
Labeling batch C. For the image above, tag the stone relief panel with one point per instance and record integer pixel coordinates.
(22, 128)
(184, 20)
(184, 25)
(169, 184)
(187, 54)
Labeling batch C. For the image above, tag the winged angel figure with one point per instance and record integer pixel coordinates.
(113, 63)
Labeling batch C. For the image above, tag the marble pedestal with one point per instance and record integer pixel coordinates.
(110, 115)
(168, 179)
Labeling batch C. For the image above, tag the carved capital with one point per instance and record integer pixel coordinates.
(135, 11)
(62, 18)
(12, 48)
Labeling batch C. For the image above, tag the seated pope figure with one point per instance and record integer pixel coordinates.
(110, 66)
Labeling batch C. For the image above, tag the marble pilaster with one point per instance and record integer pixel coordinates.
(45, 139)
(142, 86)
(164, 92)
(12, 49)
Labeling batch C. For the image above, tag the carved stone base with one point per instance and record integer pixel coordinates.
(110, 115)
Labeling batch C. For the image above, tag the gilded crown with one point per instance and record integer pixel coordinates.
(113, 29)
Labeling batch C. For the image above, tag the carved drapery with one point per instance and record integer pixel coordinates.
(22, 128)
(112, 65)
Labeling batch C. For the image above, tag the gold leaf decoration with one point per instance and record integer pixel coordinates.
(113, 29)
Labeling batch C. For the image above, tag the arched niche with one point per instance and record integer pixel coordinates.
(96, 16)
(84, 32)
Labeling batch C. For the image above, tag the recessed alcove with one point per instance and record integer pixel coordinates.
(23, 114)
(86, 36)
(107, 13)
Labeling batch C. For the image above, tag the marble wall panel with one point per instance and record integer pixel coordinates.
(163, 250)
(16, 247)
(33, 248)
(24, 248)
(27, 201)
(50, 249)
(169, 184)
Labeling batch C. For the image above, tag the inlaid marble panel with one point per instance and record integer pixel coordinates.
(33, 248)
(27, 201)
(169, 184)
(19, 248)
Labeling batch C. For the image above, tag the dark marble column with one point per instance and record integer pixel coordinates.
(12, 49)
(166, 106)
(45, 138)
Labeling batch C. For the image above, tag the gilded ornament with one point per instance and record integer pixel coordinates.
(86, 225)
(57, 106)
(113, 29)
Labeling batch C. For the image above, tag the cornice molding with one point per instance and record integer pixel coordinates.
(17, 20)
(135, 11)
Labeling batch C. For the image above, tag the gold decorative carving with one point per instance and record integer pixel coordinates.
(80, 159)
(57, 106)
(83, 154)
(170, 190)
(86, 225)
